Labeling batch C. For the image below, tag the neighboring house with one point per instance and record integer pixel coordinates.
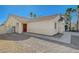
(48, 25)
(73, 26)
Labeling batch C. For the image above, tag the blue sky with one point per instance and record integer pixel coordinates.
(40, 10)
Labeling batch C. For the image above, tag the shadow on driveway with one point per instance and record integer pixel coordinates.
(14, 36)
(58, 35)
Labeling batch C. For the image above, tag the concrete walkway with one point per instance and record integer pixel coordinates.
(75, 38)
(66, 38)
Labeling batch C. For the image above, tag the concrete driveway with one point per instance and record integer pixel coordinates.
(32, 43)
(65, 39)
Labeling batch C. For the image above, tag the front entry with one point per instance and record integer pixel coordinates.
(24, 27)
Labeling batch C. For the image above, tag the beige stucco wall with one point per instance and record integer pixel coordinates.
(61, 27)
(18, 25)
(20, 29)
(41, 27)
(46, 27)
(53, 21)
(10, 23)
(2, 30)
(6, 25)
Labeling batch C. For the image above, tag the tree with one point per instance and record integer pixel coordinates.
(77, 17)
(31, 14)
(68, 16)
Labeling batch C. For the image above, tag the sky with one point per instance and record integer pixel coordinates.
(40, 10)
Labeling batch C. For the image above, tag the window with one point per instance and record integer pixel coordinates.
(55, 25)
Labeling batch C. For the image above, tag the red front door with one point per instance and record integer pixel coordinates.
(24, 27)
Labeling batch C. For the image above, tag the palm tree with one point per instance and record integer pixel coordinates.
(77, 17)
(68, 16)
(73, 10)
(31, 14)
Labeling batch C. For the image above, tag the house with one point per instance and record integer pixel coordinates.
(73, 26)
(13, 24)
(48, 25)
